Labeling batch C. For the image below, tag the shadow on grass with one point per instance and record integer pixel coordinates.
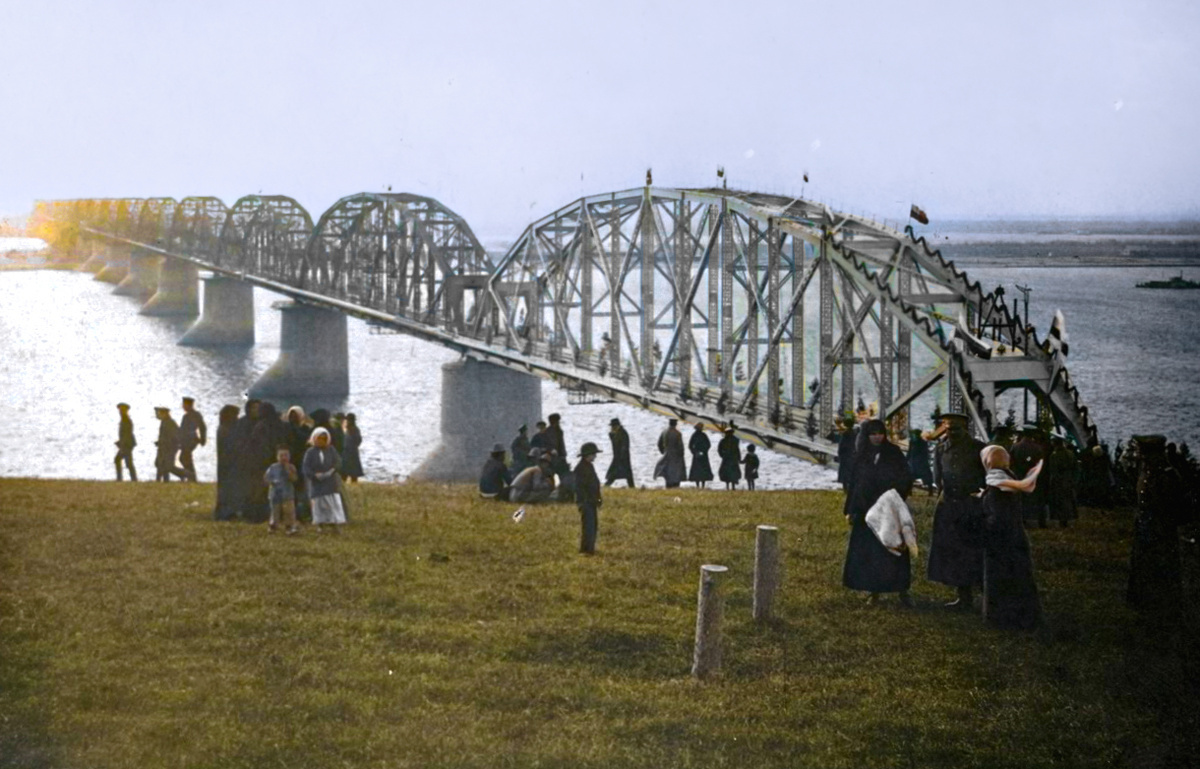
(613, 652)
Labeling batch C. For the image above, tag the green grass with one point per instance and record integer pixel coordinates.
(435, 632)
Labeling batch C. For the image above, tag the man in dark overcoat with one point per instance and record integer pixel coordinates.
(955, 555)
(587, 498)
(621, 467)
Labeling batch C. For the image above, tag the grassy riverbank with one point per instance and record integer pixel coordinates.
(435, 632)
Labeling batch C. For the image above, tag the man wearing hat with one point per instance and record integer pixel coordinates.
(621, 467)
(493, 479)
(587, 497)
(168, 446)
(561, 461)
(955, 554)
(670, 445)
(125, 443)
(541, 438)
(192, 433)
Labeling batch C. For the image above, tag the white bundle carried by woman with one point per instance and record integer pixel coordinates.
(892, 523)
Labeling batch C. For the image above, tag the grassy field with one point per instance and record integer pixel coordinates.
(435, 632)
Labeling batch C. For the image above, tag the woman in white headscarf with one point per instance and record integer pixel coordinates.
(320, 467)
(1010, 595)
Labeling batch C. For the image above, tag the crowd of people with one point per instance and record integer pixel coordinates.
(256, 446)
(987, 496)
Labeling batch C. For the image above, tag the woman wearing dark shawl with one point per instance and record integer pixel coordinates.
(227, 480)
(352, 468)
(699, 444)
(1010, 595)
(731, 459)
(267, 435)
(878, 467)
(671, 466)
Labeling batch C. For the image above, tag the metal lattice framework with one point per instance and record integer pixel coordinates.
(773, 313)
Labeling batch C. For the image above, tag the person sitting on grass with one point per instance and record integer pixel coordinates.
(320, 465)
(280, 477)
(493, 479)
(535, 483)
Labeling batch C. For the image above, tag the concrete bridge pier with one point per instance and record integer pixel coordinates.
(482, 404)
(314, 357)
(178, 289)
(94, 263)
(116, 265)
(142, 280)
(228, 317)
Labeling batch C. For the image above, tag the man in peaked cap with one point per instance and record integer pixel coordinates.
(955, 556)
(587, 497)
(168, 446)
(493, 479)
(125, 443)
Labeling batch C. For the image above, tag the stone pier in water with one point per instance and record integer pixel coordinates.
(178, 289)
(314, 358)
(482, 404)
(228, 317)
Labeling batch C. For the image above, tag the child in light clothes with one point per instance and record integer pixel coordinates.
(280, 477)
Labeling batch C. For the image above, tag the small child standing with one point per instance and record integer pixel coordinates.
(280, 477)
(751, 463)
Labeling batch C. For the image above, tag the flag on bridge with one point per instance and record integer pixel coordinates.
(916, 213)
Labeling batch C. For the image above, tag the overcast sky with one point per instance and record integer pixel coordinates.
(506, 111)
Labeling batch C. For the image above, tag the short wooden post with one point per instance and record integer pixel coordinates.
(766, 571)
(709, 607)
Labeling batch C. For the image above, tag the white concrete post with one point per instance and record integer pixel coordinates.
(710, 605)
(766, 570)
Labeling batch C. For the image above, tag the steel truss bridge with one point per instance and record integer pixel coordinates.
(773, 313)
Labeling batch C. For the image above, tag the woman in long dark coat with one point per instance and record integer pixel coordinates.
(267, 435)
(699, 444)
(1010, 595)
(672, 465)
(352, 468)
(731, 459)
(227, 480)
(879, 466)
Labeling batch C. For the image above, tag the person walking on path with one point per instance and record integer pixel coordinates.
(587, 498)
(228, 502)
(956, 551)
(672, 465)
(281, 477)
(1010, 594)
(699, 444)
(751, 463)
(320, 474)
(731, 459)
(352, 468)
(621, 467)
(879, 466)
(192, 433)
(125, 443)
(168, 447)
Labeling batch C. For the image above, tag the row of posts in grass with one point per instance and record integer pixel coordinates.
(710, 604)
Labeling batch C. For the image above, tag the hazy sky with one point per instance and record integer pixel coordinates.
(506, 111)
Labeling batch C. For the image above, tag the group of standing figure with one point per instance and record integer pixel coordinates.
(255, 475)
(673, 469)
(175, 445)
(978, 529)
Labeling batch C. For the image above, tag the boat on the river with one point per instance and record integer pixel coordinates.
(1176, 282)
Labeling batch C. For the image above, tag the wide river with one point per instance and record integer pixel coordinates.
(70, 350)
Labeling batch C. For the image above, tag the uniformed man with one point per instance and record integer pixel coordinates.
(956, 553)
(192, 433)
(125, 443)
